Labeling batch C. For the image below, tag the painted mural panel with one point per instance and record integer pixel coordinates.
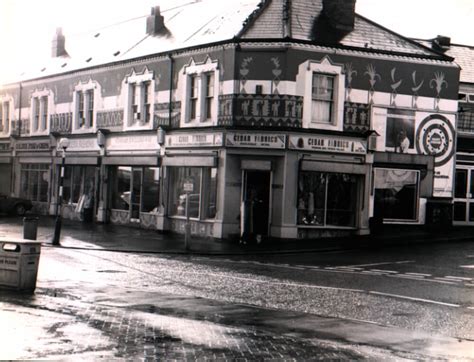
(424, 133)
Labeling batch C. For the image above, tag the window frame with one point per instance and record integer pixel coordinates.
(140, 100)
(6, 110)
(304, 88)
(86, 100)
(40, 110)
(193, 81)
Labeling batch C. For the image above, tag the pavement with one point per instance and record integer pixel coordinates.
(75, 234)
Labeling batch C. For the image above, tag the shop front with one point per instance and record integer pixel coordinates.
(6, 169)
(132, 181)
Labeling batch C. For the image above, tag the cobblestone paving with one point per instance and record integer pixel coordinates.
(95, 331)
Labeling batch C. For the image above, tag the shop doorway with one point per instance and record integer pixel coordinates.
(255, 207)
(464, 196)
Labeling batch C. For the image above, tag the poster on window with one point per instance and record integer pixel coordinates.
(423, 133)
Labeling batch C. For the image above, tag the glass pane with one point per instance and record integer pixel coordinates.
(312, 198)
(396, 194)
(136, 193)
(179, 176)
(341, 200)
(151, 189)
(209, 192)
(471, 188)
(460, 211)
(471, 212)
(460, 187)
(121, 177)
(43, 185)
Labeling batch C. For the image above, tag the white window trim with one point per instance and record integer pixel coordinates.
(184, 84)
(7, 126)
(84, 87)
(38, 94)
(304, 81)
(138, 80)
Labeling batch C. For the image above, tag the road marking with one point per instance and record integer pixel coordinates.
(458, 278)
(467, 266)
(415, 299)
(445, 281)
(385, 271)
(405, 276)
(382, 263)
(419, 274)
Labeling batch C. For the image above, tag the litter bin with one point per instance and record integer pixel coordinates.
(19, 260)
(30, 228)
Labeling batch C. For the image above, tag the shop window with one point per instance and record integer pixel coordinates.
(140, 89)
(323, 98)
(396, 194)
(199, 83)
(78, 182)
(327, 199)
(135, 189)
(34, 184)
(202, 200)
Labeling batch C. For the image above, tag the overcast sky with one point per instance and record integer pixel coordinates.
(27, 26)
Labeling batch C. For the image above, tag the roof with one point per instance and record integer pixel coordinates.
(196, 22)
(463, 56)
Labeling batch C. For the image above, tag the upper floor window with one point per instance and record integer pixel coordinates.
(85, 106)
(140, 88)
(40, 109)
(4, 116)
(323, 98)
(199, 82)
(322, 86)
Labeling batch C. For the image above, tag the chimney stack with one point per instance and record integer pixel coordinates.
(441, 43)
(155, 22)
(59, 44)
(340, 14)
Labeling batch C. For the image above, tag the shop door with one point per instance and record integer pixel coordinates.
(255, 209)
(464, 196)
(136, 194)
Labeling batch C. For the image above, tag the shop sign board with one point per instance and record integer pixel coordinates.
(33, 146)
(194, 140)
(328, 144)
(132, 142)
(255, 140)
(82, 144)
(188, 186)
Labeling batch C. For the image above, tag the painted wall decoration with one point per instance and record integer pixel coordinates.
(394, 85)
(162, 114)
(276, 71)
(268, 110)
(427, 133)
(61, 122)
(244, 71)
(400, 130)
(225, 110)
(371, 72)
(350, 73)
(437, 83)
(356, 117)
(416, 87)
(110, 118)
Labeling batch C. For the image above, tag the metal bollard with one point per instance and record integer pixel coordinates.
(30, 228)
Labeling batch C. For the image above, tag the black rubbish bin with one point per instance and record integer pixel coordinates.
(30, 228)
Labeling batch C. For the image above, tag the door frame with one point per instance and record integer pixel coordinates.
(469, 197)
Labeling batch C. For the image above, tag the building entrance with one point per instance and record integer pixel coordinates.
(464, 196)
(255, 210)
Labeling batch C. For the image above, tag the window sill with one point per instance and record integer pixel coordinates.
(192, 219)
(328, 227)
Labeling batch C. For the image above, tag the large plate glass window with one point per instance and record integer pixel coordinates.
(396, 194)
(327, 199)
(34, 184)
(202, 198)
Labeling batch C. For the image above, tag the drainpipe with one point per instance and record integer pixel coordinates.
(170, 108)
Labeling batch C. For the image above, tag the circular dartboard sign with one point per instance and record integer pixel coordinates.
(435, 136)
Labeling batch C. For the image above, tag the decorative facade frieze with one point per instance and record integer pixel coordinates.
(162, 114)
(356, 117)
(61, 122)
(110, 118)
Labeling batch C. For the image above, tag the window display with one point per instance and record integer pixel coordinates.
(202, 198)
(327, 199)
(396, 194)
(35, 182)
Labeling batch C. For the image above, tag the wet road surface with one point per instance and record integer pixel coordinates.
(96, 304)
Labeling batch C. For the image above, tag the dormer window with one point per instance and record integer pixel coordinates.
(85, 106)
(40, 109)
(140, 90)
(199, 82)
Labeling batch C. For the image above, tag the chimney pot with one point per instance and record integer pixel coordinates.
(340, 14)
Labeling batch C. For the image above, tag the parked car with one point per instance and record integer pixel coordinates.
(14, 205)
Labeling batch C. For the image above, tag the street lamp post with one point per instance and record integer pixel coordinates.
(63, 144)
